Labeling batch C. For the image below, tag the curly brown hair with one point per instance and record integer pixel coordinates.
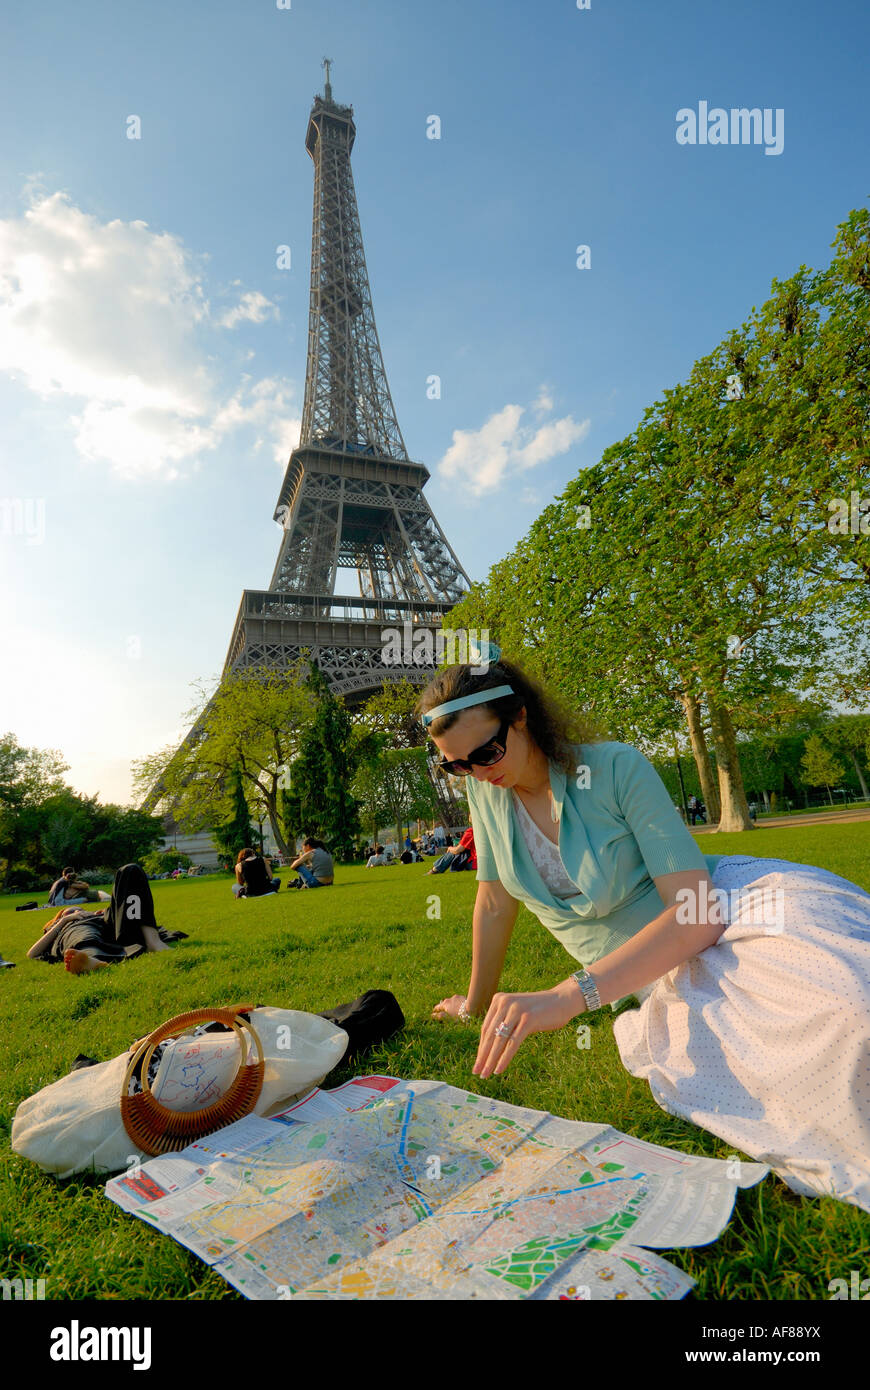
(553, 728)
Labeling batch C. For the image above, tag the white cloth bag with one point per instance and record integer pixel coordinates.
(75, 1124)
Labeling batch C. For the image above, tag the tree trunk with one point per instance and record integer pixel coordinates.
(828, 790)
(692, 706)
(735, 812)
(864, 791)
(272, 812)
(766, 800)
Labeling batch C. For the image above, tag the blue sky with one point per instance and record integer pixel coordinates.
(152, 355)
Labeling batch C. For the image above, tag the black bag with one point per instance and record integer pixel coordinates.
(371, 1019)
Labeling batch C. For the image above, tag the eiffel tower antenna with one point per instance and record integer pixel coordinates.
(352, 501)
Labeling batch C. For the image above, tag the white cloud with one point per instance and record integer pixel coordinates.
(503, 447)
(115, 317)
(543, 401)
(253, 307)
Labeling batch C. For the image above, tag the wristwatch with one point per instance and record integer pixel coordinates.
(589, 988)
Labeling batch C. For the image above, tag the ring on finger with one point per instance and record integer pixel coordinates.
(503, 1030)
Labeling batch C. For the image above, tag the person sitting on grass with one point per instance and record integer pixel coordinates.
(753, 973)
(254, 877)
(315, 866)
(377, 859)
(456, 857)
(68, 890)
(86, 941)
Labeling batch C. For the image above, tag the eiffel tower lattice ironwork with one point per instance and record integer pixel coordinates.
(351, 499)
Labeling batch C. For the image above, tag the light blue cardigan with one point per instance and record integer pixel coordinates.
(618, 830)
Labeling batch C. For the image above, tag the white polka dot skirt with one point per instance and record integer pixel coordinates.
(764, 1038)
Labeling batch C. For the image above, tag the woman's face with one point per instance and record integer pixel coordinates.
(475, 726)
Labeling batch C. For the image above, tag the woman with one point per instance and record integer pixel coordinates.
(87, 941)
(315, 866)
(754, 974)
(254, 877)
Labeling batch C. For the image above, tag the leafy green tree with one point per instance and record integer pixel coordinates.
(819, 764)
(391, 711)
(254, 722)
(236, 832)
(165, 861)
(693, 569)
(849, 735)
(28, 778)
(120, 834)
(319, 800)
(394, 788)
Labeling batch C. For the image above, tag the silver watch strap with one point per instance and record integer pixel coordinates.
(589, 988)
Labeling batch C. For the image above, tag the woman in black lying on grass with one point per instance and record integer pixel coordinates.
(87, 941)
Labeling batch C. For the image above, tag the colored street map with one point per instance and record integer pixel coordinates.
(396, 1189)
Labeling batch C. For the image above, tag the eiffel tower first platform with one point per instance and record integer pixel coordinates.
(351, 499)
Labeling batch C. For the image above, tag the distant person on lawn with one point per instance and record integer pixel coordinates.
(87, 941)
(314, 865)
(377, 859)
(457, 857)
(68, 890)
(254, 878)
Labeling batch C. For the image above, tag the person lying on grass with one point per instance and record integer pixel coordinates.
(753, 973)
(87, 941)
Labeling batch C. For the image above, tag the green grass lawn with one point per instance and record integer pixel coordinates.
(315, 950)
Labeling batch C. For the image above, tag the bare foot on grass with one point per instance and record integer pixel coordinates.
(80, 963)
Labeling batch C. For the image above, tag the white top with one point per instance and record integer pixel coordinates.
(546, 856)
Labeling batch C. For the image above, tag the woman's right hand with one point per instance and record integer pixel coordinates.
(449, 1008)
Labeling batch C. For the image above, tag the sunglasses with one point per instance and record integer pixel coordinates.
(486, 755)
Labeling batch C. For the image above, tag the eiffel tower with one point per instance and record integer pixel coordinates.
(351, 499)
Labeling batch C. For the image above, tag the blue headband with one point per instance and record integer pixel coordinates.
(482, 697)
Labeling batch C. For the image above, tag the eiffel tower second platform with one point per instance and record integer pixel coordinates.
(346, 510)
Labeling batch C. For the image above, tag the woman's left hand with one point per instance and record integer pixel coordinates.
(542, 1012)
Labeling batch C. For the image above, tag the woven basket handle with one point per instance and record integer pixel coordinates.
(153, 1127)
